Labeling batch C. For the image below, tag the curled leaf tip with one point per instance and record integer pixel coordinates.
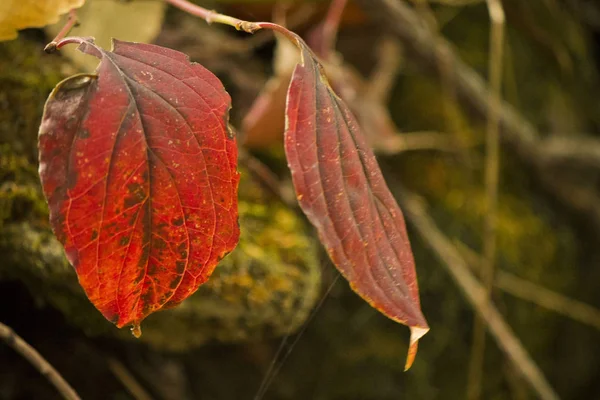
(416, 333)
(136, 331)
(342, 191)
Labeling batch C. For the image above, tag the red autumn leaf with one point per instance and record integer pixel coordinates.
(342, 191)
(138, 165)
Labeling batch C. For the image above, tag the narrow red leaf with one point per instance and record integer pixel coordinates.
(342, 191)
(138, 165)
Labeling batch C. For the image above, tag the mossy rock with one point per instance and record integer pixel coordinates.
(265, 287)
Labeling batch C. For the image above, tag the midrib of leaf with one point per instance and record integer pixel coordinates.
(193, 135)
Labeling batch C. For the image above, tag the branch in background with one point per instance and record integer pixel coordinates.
(39, 362)
(492, 175)
(581, 152)
(536, 294)
(433, 52)
(475, 293)
(419, 140)
(386, 70)
(268, 179)
(127, 379)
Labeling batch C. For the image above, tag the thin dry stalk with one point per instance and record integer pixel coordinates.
(127, 379)
(492, 174)
(537, 294)
(428, 48)
(39, 362)
(475, 293)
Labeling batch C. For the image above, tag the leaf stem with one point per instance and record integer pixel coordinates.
(71, 22)
(239, 24)
(213, 16)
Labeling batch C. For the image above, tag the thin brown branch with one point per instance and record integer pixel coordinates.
(537, 294)
(71, 22)
(418, 141)
(331, 24)
(475, 294)
(127, 379)
(429, 49)
(576, 151)
(492, 175)
(382, 79)
(267, 177)
(39, 362)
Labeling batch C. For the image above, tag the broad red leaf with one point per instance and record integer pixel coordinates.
(138, 165)
(342, 191)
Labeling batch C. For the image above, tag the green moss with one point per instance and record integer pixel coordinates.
(265, 287)
(27, 75)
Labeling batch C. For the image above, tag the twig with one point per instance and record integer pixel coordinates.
(428, 49)
(239, 24)
(274, 369)
(548, 299)
(39, 362)
(416, 141)
(537, 294)
(127, 379)
(267, 177)
(579, 151)
(492, 173)
(331, 25)
(383, 77)
(214, 17)
(475, 293)
(297, 19)
(71, 22)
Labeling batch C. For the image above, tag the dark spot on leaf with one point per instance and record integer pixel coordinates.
(180, 267)
(177, 221)
(114, 318)
(174, 283)
(152, 269)
(158, 243)
(137, 194)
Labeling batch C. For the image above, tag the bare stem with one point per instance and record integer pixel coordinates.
(127, 379)
(475, 294)
(71, 22)
(492, 173)
(241, 25)
(214, 17)
(535, 293)
(331, 25)
(35, 358)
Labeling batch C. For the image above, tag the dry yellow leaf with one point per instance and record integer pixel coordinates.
(20, 14)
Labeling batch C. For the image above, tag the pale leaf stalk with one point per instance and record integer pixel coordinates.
(71, 22)
(492, 173)
(239, 24)
(214, 17)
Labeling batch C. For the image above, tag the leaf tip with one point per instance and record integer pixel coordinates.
(416, 333)
(136, 330)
